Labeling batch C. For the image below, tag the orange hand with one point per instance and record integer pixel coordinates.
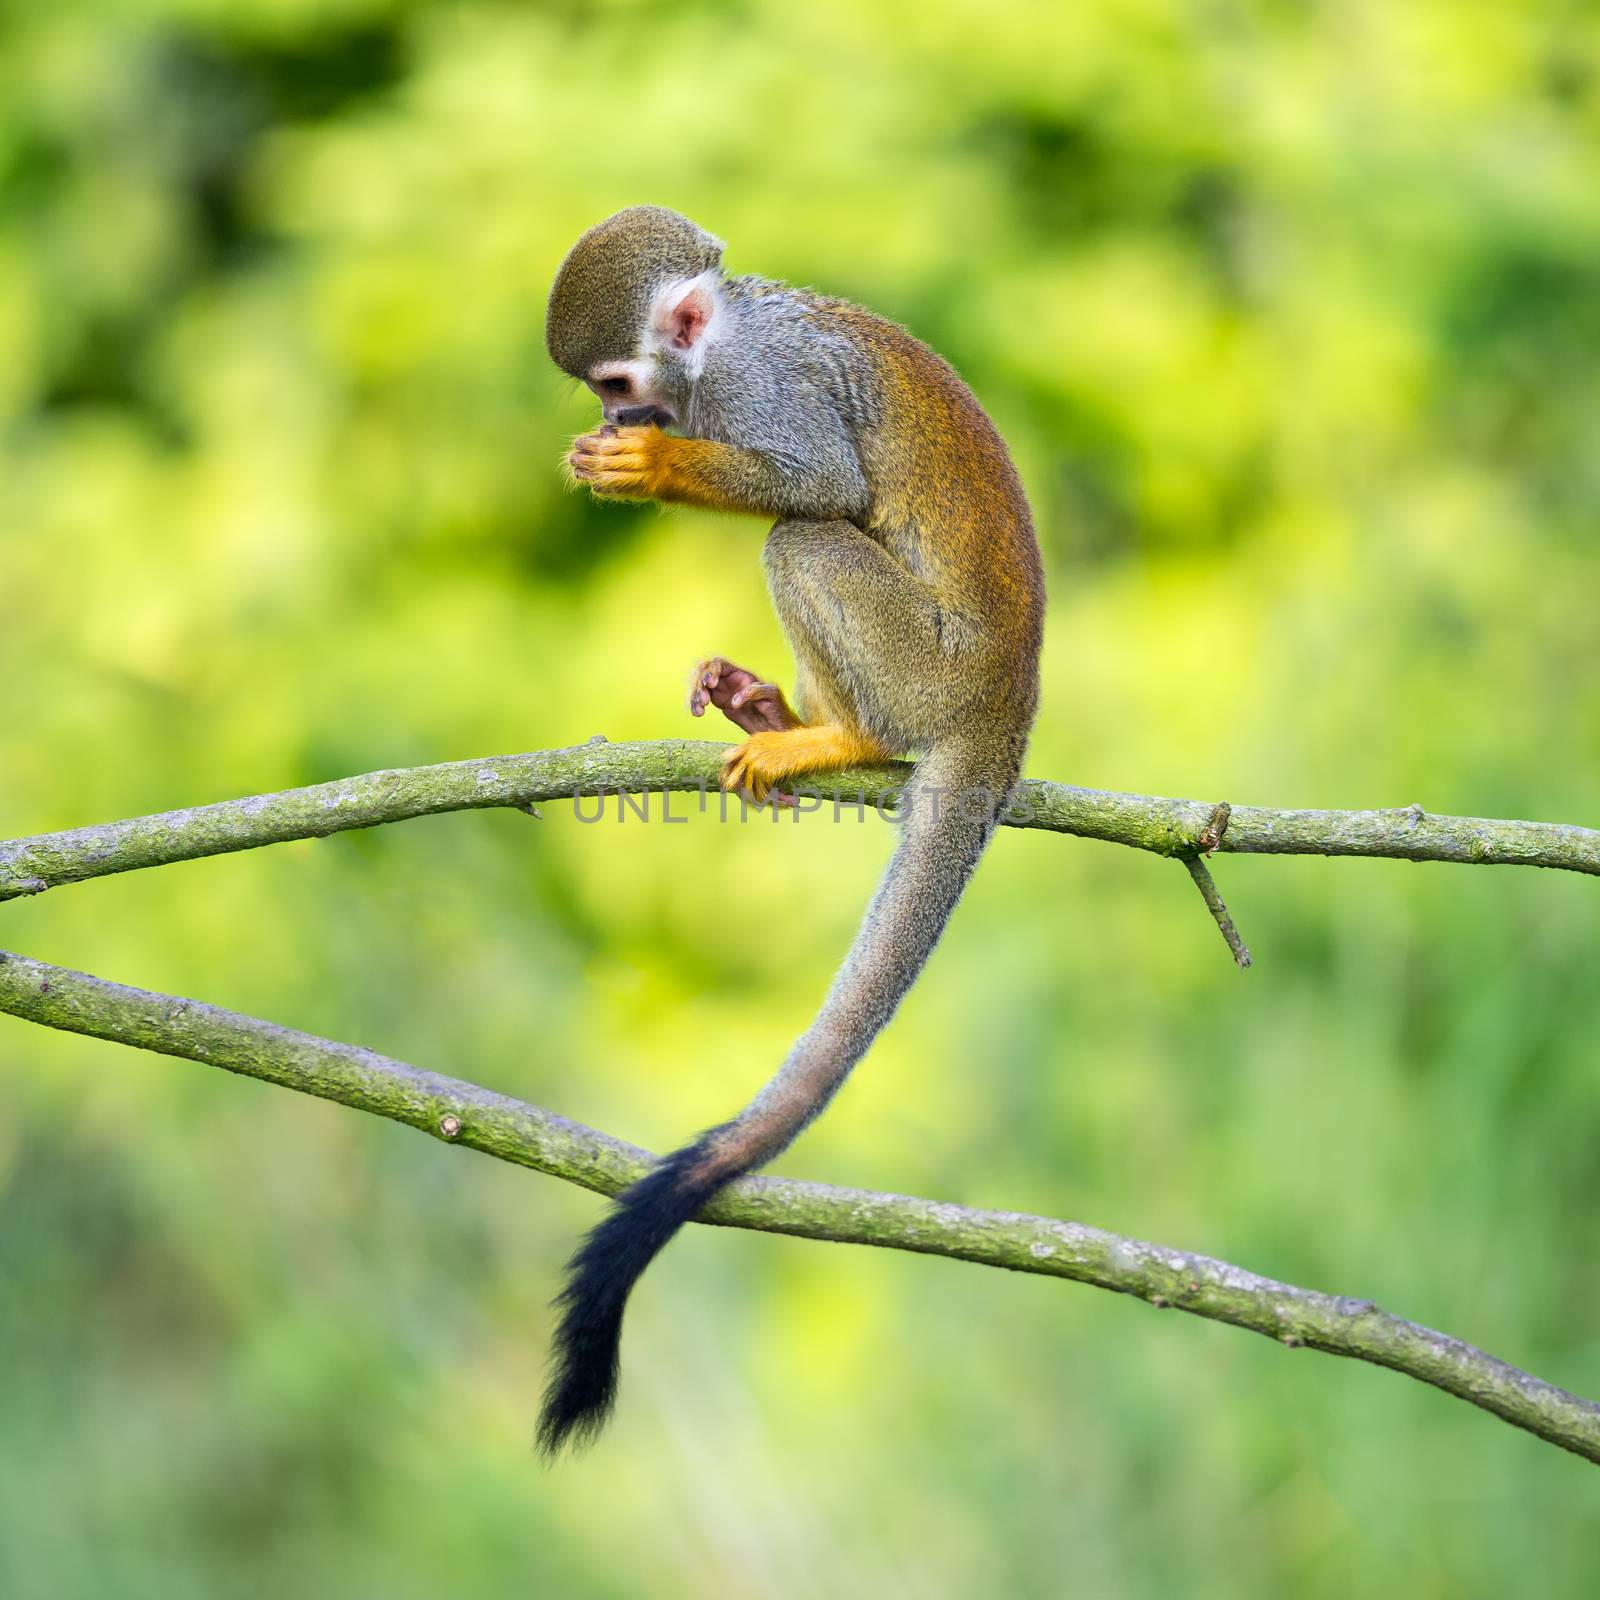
(647, 464)
(622, 463)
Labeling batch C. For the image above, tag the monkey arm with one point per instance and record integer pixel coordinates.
(647, 464)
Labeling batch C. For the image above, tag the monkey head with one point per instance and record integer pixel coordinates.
(632, 309)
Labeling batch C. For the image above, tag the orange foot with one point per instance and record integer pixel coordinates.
(765, 759)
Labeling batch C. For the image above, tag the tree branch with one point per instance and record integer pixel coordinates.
(1175, 828)
(463, 1113)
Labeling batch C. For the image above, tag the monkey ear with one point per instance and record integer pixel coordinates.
(684, 322)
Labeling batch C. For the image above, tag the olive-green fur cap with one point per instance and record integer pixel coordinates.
(604, 288)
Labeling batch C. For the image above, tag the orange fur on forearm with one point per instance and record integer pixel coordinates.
(684, 472)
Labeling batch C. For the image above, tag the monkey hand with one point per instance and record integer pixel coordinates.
(620, 463)
(740, 695)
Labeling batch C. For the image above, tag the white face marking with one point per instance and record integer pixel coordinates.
(609, 376)
(622, 384)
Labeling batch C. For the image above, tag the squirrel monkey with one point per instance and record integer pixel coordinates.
(903, 565)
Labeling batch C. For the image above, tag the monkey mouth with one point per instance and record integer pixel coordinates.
(649, 416)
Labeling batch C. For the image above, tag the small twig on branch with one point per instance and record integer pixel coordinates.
(1211, 837)
(1212, 895)
(465, 1114)
(1165, 827)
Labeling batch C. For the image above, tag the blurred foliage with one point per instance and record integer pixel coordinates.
(1291, 312)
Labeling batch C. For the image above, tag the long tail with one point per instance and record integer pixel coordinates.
(950, 810)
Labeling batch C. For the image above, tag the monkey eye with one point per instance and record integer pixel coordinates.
(614, 385)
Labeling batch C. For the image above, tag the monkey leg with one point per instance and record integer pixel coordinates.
(877, 652)
(743, 698)
(765, 759)
(877, 655)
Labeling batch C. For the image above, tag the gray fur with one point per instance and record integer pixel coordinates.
(778, 381)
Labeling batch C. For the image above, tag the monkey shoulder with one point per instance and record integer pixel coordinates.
(782, 368)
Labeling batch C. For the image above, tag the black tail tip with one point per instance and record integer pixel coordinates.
(583, 1384)
(569, 1419)
(585, 1358)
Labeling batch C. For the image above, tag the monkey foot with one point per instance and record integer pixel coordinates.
(743, 698)
(765, 759)
(750, 770)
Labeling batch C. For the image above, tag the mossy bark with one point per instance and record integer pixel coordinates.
(463, 1113)
(1176, 828)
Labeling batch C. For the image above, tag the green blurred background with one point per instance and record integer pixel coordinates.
(1290, 312)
